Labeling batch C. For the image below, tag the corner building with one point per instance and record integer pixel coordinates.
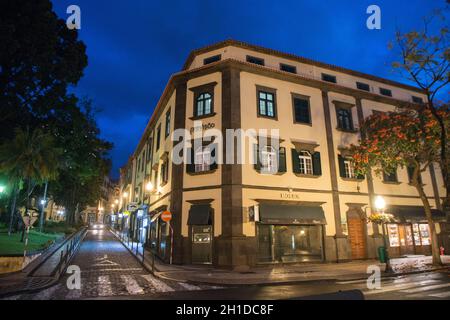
(314, 208)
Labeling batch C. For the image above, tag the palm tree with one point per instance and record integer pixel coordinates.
(31, 157)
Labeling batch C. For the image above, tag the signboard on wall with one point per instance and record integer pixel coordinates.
(253, 213)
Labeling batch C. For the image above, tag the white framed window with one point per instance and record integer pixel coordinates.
(202, 159)
(268, 159)
(204, 103)
(349, 169)
(305, 161)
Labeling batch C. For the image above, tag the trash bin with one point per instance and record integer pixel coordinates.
(382, 254)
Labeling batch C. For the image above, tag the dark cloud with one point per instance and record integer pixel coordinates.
(134, 46)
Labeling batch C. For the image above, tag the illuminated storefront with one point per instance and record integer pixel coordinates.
(410, 232)
(290, 233)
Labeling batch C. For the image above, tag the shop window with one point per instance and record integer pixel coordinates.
(393, 235)
(425, 234)
(266, 104)
(203, 104)
(416, 233)
(288, 243)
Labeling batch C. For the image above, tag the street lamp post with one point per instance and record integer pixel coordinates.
(44, 205)
(380, 205)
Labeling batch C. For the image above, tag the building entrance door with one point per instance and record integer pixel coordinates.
(357, 236)
(201, 244)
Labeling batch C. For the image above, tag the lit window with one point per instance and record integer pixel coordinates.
(425, 234)
(305, 162)
(204, 104)
(393, 235)
(202, 160)
(266, 104)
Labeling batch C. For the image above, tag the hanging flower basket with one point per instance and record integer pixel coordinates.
(380, 218)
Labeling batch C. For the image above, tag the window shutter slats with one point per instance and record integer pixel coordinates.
(317, 166)
(341, 166)
(282, 160)
(295, 161)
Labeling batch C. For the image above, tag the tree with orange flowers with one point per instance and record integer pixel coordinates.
(423, 57)
(402, 138)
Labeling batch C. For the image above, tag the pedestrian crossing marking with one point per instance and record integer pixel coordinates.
(104, 262)
(189, 286)
(104, 287)
(441, 295)
(131, 285)
(398, 287)
(109, 270)
(157, 284)
(428, 288)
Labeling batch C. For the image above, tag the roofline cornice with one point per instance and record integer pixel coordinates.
(241, 44)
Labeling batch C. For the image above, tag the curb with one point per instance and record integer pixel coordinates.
(293, 282)
(160, 274)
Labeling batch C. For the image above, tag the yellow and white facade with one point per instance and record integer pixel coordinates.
(314, 208)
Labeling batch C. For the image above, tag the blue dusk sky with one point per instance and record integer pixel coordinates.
(134, 46)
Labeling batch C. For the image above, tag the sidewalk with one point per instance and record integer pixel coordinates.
(42, 273)
(280, 274)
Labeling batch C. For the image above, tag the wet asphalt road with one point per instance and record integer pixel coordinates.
(108, 270)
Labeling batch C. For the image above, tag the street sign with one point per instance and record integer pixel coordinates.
(29, 221)
(166, 216)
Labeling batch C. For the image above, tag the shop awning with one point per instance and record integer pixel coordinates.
(155, 216)
(413, 213)
(199, 215)
(291, 214)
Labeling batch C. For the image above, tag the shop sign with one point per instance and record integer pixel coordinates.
(289, 195)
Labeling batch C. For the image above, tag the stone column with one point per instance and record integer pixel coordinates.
(341, 241)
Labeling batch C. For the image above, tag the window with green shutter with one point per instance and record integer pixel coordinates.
(307, 163)
(268, 160)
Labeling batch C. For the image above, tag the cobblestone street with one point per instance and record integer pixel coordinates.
(108, 270)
